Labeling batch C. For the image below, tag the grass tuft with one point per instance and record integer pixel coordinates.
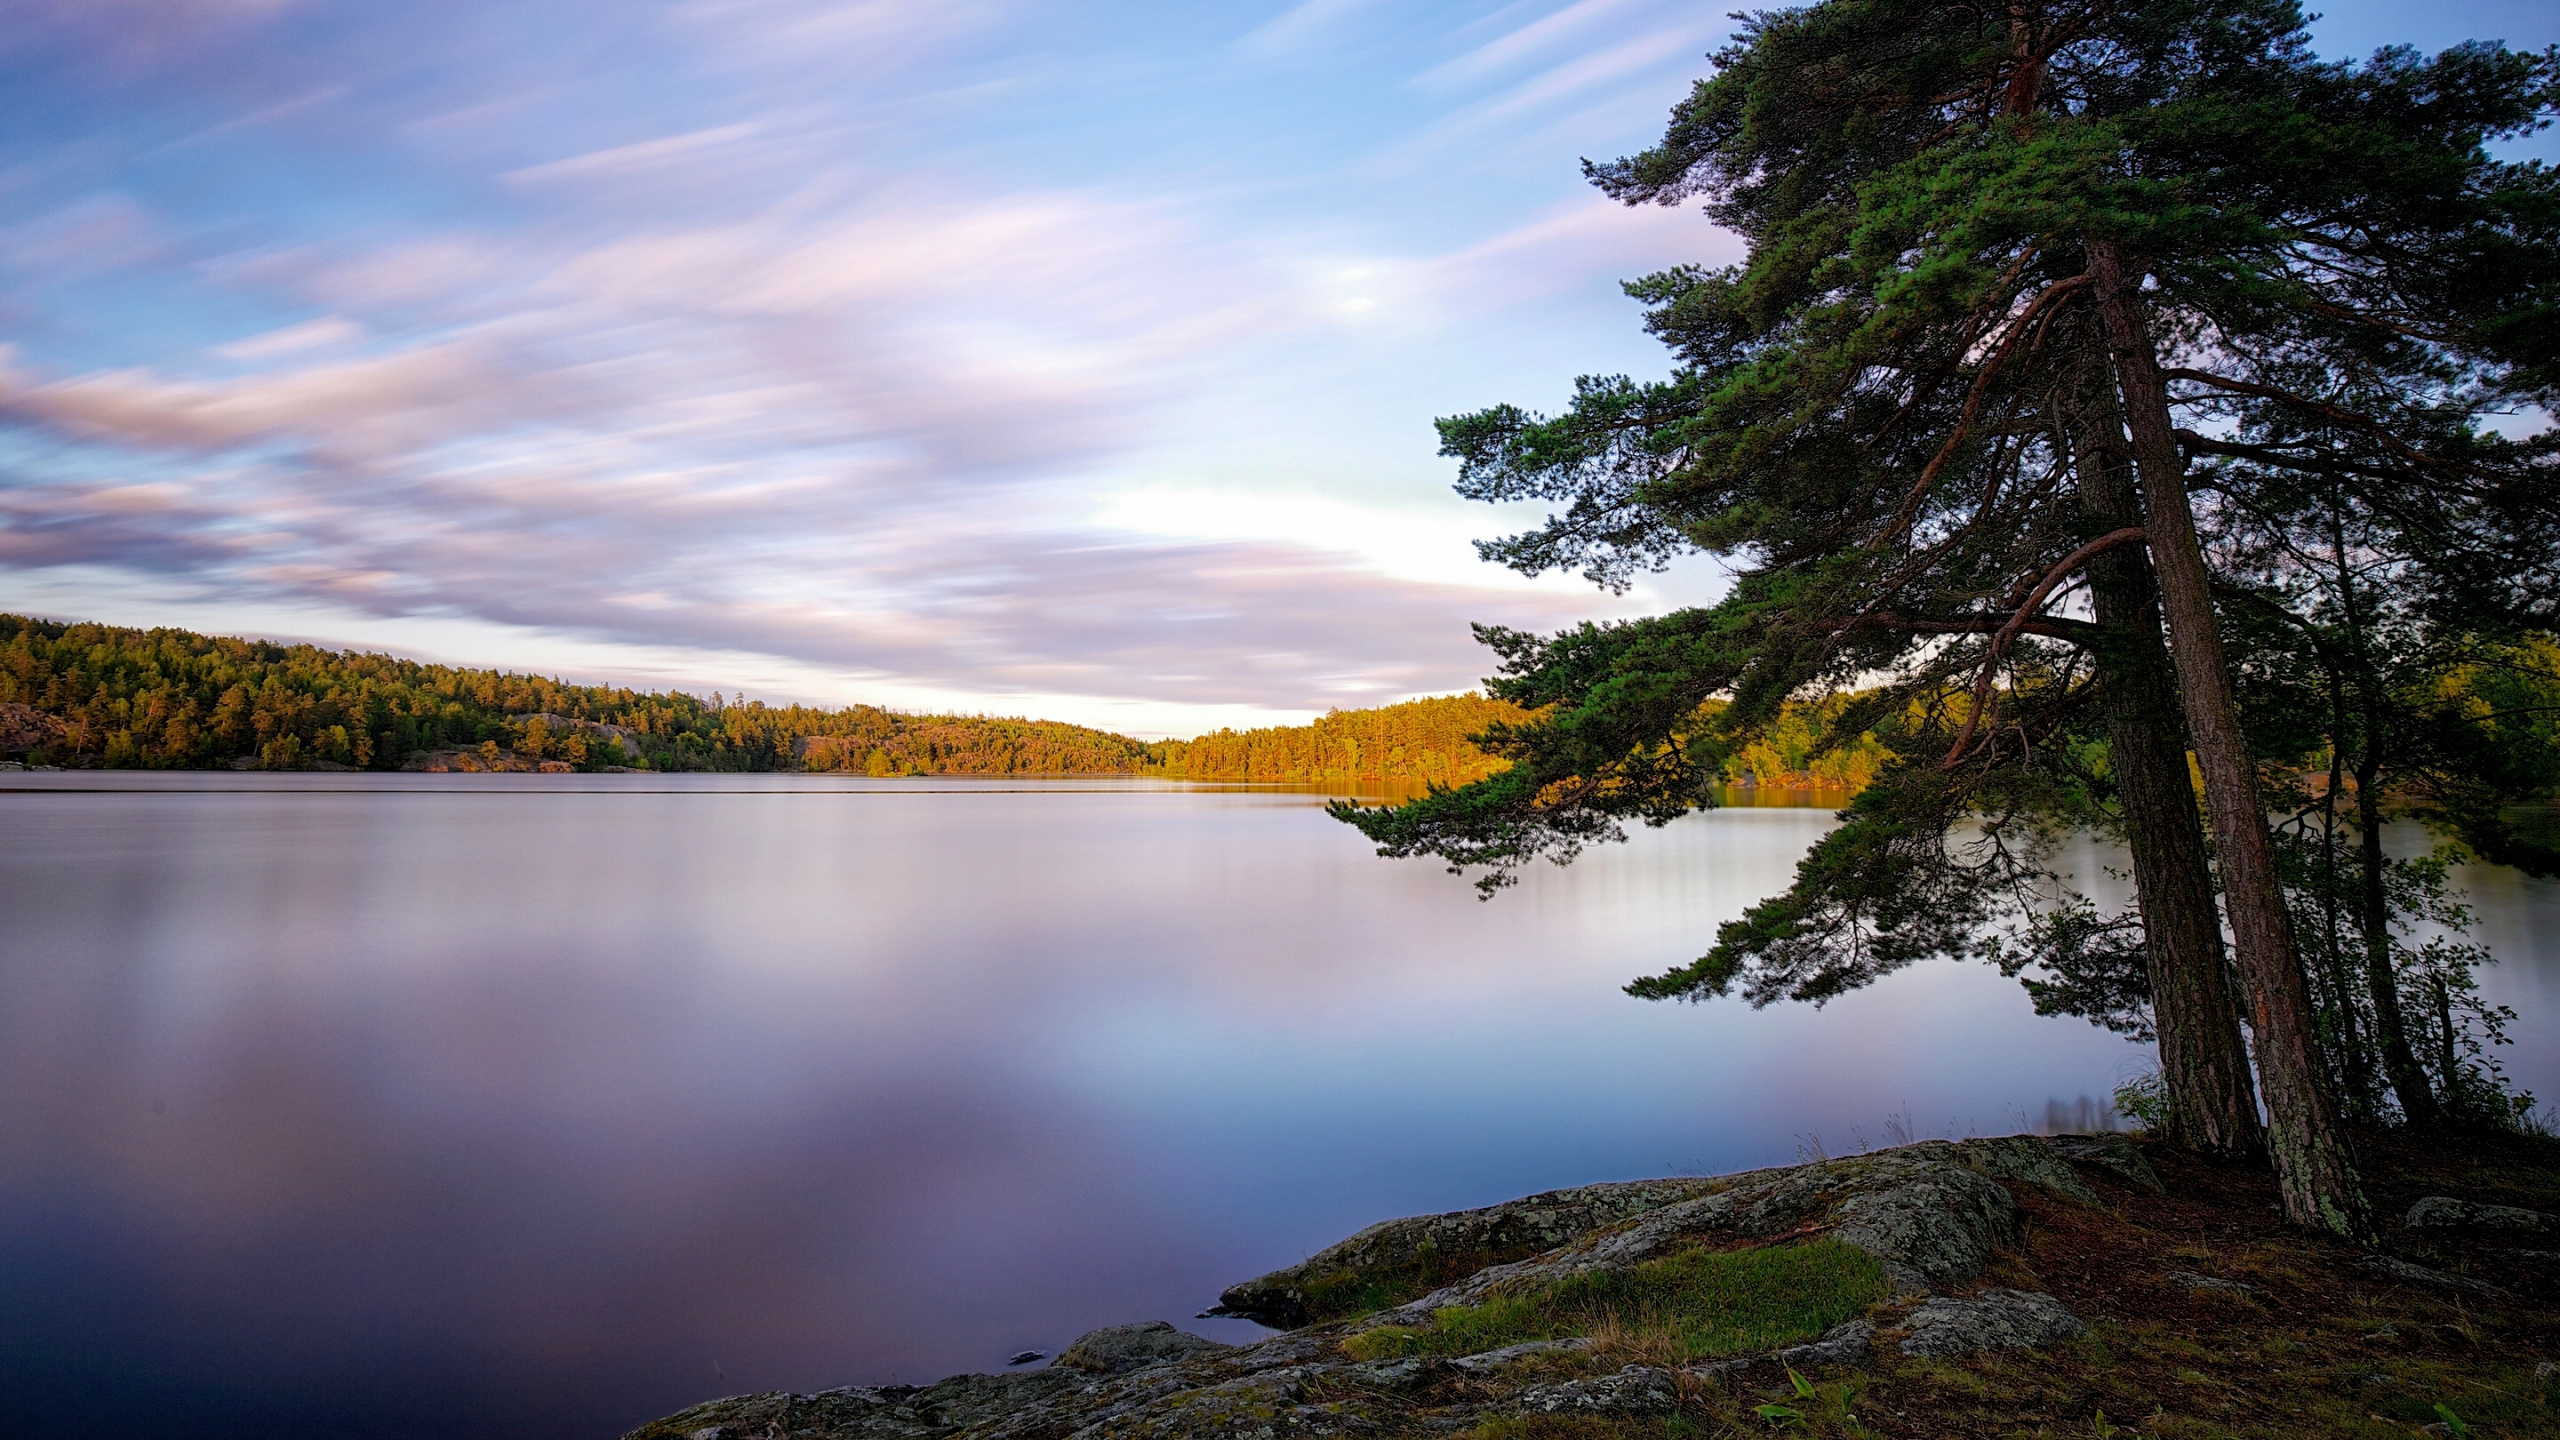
(1697, 1303)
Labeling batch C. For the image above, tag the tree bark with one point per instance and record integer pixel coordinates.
(2204, 1062)
(2382, 982)
(2315, 1169)
(2399, 1060)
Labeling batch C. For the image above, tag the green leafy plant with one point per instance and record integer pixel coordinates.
(1788, 1415)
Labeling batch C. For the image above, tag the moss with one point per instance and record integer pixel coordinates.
(1701, 1302)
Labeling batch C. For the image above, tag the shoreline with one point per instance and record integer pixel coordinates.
(1939, 1288)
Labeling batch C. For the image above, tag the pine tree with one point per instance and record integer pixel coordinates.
(2011, 271)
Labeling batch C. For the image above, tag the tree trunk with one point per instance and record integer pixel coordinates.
(2382, 981)
(2399, 1061)
(2315, 1170)
(2204, 1062)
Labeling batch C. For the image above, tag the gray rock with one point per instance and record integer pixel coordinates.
(1931, 1211)
(1452, 1241)
(1121, 1348)
(2237, 1288)
(1253, 1406)
(2443, 1212)
(2109, 1152)
(1994, 1320)
(1927, 1211)
(1411, 1373)
(1848, 1343)
(1932, 1226)
(1722, 1369)
(1485, 1360)
(870, 1412)
(2402, 1272)
(1636, 1390)
(2027, 1160)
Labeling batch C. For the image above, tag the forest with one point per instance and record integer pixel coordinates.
(98, 696)
(101, 696)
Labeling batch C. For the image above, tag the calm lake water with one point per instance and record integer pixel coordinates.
(541, 1106)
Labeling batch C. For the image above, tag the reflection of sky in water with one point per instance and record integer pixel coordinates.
(541, 1113)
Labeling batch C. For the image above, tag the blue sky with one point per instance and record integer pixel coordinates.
(1054, 358)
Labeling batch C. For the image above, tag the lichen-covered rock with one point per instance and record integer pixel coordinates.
(2213, 1285)
(2111, 1152)
(2404, 1273)
(1926, 1211)
(1411, 1373)
(865, 1412)
(1850, 1342)
(2443, 1212)
(1485, 1360)
(1121, 1348)
(1636, 1390)
(1429, 1249)
(1270, 1406)
(1994, 1320)
(1932, 1224)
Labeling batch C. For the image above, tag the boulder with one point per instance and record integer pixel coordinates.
(1848, 1343)
(2401, 1272)
(1121, 1348)
(864, 1412)
(2110, 1152)
(1994, 1320)
(2443, 1212)
(1636, 1390)
(2212, 1285)
(1426, 1250)
(1928, 1212)
(1495, 1359)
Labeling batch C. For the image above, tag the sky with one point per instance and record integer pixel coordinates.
(1066, 359)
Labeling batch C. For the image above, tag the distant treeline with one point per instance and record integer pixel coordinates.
(1429, 741)
(1419, 740)
(99, 695)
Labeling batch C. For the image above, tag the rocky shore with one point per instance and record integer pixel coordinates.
(1912, 1287)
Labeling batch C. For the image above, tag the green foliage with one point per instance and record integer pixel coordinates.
(173, 699)
(1429, 740)
(2144, 1100)
(130, 699)
(1703, 1302)
(1895, 420)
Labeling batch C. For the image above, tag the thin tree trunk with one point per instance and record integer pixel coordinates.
(2354, 1066)
(2399, 1061)
(2315, 1169)
(2382, 981)
(2204, 1062)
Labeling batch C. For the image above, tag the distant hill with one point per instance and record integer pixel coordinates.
(174, 699)
(103, 696)
(1419, 740)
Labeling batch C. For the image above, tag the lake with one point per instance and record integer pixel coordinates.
(542, 1106)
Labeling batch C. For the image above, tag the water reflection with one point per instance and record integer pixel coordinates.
(337, 1106)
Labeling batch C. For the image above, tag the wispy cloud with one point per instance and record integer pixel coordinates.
(803, 330)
